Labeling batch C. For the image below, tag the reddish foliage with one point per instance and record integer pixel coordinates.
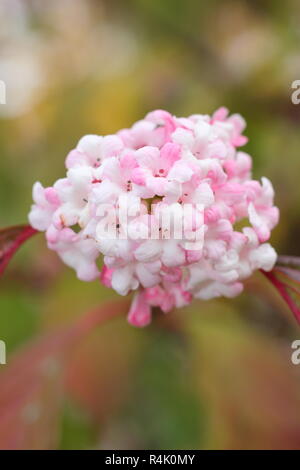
(11, 239)
(32, 384)
(285, 277)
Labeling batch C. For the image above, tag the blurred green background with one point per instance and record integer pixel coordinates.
(216, 375)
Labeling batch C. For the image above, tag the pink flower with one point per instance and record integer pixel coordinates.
(160, 203)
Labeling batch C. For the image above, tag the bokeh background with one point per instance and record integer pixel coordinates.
(216, 375)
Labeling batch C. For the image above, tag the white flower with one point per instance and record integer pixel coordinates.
(159, 203)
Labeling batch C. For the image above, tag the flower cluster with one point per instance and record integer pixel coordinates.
(162, 163)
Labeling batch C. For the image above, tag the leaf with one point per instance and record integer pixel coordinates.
(286, 282)
(32, 384)
(30, 397)
(11, 239)
(292, 274)
(99, 372)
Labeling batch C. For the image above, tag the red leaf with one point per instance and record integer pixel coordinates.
(285, 289)
(31, 385)
(11, 239)
(99, 372)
